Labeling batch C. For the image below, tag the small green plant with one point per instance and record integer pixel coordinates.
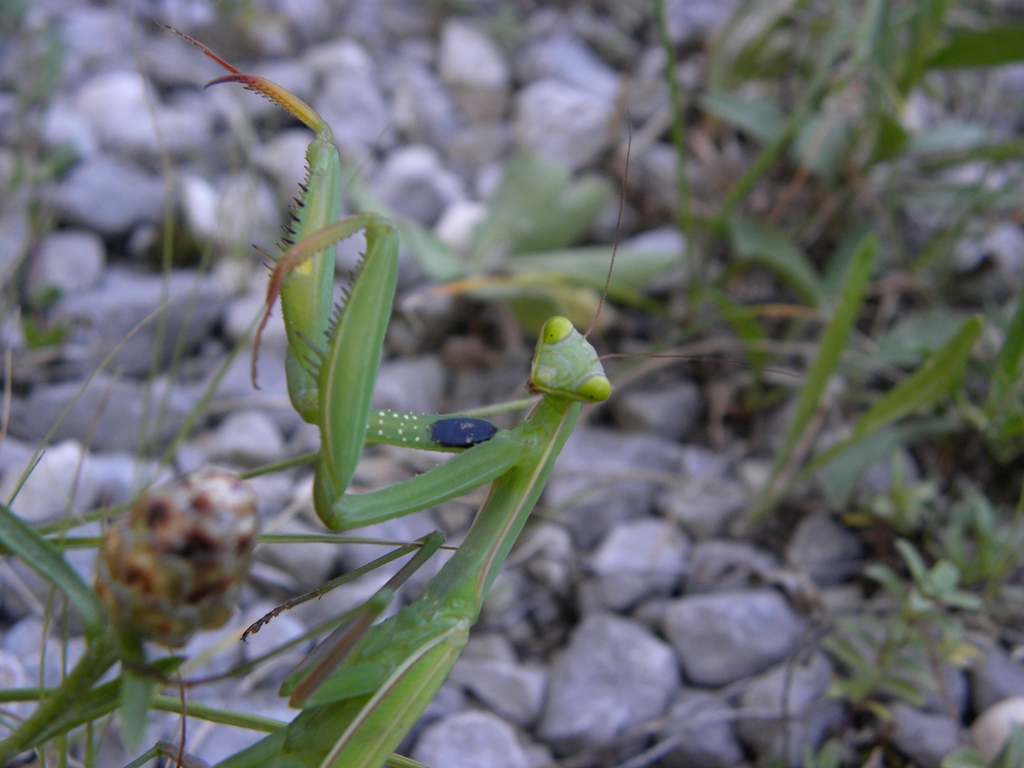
(897, 651)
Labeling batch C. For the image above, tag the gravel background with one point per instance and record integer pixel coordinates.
(639, 621)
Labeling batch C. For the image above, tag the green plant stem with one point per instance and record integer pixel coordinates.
(97, 659)
(678, 131)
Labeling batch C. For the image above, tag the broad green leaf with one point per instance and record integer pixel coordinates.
(757, 243)
(841, 477)
(537, 207)
(566, 222)
(981, 47)
(40, 555)
(822, 143)
(756, 116)
(915, 337)
(933, 380)
(950, 137)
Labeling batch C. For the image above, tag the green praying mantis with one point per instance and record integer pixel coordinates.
(365, 686)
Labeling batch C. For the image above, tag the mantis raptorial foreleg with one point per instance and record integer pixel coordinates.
(358, 704)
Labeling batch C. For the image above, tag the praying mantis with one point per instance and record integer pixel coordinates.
(365, 687)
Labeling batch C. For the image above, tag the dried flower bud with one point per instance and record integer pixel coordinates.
(175, 563)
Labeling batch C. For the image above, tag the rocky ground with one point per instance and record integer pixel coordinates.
(639, 621)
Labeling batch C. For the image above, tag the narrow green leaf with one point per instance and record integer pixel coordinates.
(758, 117)
(915, 563)
(635, 267)
(981, 47)
(832, 344)
(1006, 374)
(40, 555)
(136, 695)
(757, 243)
(926, 385)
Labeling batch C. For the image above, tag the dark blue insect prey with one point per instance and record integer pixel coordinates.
(459, 432)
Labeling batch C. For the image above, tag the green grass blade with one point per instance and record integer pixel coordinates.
(833, 342)
(927, 384)
(40, 555)
(933, 380)
(981, 47)
(1006, 373)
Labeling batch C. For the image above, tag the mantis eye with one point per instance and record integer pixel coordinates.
(595, 389)
(556, 329)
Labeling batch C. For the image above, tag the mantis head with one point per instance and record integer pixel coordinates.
(565, 365)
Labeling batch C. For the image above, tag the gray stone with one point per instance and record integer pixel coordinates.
(109, 320)
(700, 723)
(15, 455)
(109, 195)
(68, 261)
(671, 411)
(64, 126)
(994, 677)
(241, 212)
(473, 67)
(247, 438)
(1003, 244)
(307, 564)
(351, 99)
(410, 385)
(992, 728)
(413, 183)
(494, 676)
(456, 227)
(42, 655)
(704, 506)
(565, 57)
(283, 158)
(924, 738)
(603, 477)
(471, 740)
(549, 556)
(655, 171)
(424, 111)
(791, 709)
(824, 550)
(691, 22)
(562, 122)
(93, 35)
(116, 106)
(12, 675)
(613, 675)
(724, 637)
(112, 413)
(60, 482)
(648, 93)
(638, 559)
(722, 565)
